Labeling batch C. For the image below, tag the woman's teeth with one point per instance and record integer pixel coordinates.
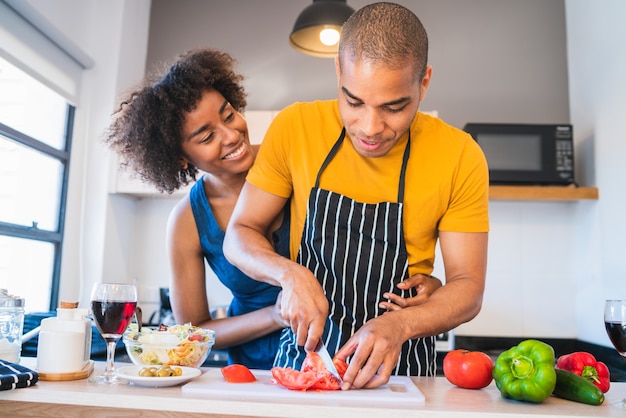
(236, 153)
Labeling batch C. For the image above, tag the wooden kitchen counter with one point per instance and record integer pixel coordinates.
(80, 398)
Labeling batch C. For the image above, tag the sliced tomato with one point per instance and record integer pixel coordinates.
(238, 373)
(313, 363)
(326, 381)
(294, 379)
(341, 366)
(313, 374)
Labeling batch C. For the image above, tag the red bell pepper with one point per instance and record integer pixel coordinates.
(584, 364)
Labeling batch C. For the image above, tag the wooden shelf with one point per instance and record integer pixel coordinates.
(542, 193)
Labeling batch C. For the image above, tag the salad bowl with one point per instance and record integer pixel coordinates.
(175, 345)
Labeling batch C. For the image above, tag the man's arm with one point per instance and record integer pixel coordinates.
(246, 246)
(376, 345)
(464, 257)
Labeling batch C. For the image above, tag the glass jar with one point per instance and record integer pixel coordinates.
(11, 326)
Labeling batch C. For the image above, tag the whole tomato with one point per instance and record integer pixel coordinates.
(468, 369)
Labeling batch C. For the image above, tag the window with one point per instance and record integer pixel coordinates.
(35, 144)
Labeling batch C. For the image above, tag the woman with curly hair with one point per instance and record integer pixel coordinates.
(169, 129)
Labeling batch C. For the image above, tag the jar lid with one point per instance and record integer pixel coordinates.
(8, 300)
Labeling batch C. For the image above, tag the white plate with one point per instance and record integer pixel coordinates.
(131, 373)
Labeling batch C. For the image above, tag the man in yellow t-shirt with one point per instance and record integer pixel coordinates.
(373, 184)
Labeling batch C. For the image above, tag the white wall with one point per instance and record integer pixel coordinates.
(551, 265)
(597, 65)
(530, 267)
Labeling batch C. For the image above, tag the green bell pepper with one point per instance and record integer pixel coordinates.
(526, 372)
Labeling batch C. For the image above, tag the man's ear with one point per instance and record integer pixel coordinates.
(425, 82)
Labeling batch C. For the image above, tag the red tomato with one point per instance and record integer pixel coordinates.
(314, 363)
(237, 373)
(294, 379)
(195, 337)
(341, 366)
(313, 375)
(468, 369)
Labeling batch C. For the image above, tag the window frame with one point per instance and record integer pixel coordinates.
(32, 232)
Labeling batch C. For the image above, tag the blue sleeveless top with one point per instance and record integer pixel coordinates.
(248, 294)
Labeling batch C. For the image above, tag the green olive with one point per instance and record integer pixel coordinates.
(146, 372)
(163, 371)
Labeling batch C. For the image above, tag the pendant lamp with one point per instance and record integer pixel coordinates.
(317, 29)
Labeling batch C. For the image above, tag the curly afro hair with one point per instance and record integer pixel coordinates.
(146, 130)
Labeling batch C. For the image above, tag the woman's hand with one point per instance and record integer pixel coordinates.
(424, 286)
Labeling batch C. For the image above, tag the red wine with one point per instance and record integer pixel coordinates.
(617, 335)
(112, 317)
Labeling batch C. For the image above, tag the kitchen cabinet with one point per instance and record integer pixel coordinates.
(125, 182)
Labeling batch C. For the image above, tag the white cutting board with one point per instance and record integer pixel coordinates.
(399, 392)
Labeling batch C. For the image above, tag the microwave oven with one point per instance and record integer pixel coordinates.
(526, 154)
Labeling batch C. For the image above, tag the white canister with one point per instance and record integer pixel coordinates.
(64, 344)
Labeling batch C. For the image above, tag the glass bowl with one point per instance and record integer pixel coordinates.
(176, 345)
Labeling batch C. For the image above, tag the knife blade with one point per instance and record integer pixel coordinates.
(328, 361)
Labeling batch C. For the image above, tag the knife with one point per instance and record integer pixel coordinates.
(328, 361)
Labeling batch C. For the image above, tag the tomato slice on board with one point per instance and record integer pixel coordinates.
(313, 375)
(294, 379)
(238, 373)
(313, 363)
(341, 366)
(326, 381)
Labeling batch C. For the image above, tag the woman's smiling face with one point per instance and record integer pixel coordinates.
(215, 137)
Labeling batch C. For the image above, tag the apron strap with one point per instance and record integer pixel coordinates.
(405, 162)
(330, 156)
(335, 148)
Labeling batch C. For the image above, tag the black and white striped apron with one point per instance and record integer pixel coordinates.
(357, 252)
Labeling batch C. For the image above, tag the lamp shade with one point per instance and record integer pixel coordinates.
(317, 28)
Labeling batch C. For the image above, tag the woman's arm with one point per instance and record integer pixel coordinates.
(188, 292)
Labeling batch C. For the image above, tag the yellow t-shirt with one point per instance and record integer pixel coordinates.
(447, 180)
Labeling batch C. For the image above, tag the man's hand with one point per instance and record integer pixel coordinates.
(304, 306)
(375, 348)
(276, 312)
(424, 287)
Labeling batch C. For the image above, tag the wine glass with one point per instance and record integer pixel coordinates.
(113, 306)
(615, 324)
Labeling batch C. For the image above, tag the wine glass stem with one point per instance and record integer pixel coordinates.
(110, 356)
